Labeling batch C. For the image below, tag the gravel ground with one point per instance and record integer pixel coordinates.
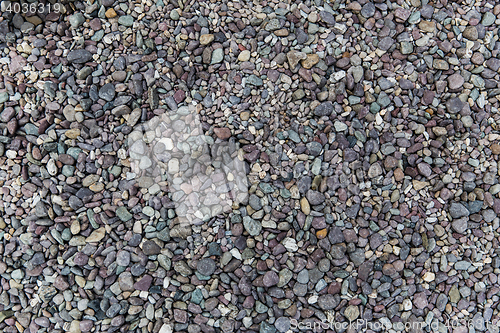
(370, 137)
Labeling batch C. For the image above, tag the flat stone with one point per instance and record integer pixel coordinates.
(458, 210)
(385, 43)
(107, 92)
(252, 226)
(217, 56)
(206, 266)
(470, 33)
(441, 64)
(150, 248)
(368, 10)
(144, 283)
(123, 214)
(206, 39)
(123, 258)
(222, 133)
(294, 57)
(420, 300)
(460, 225)
(310, 61)
(427, 26)
(96, 235)
(327, 302)
(270, 279)
(126, 20)
(454, 105)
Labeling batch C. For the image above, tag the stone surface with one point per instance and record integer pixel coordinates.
(230, 166)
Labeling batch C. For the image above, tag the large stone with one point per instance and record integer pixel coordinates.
(455, 81)
(16, 64)
(294, 57)
(457, 210)
(460, 225)
(222, 133)
(324, 109)
(310, 61)
(79, 56)
(454, 105)
(471, 33)
(270, 279)
(206, 266)
(327, 302)
(150, 248)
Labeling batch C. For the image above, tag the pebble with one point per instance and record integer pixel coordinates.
(224, 167)
(206, 266)
(79, 56)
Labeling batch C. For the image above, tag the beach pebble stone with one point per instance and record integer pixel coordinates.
(150, 248)
(79, 56)
(228, 166)
(206, 266)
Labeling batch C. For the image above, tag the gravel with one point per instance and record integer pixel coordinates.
(227, 166)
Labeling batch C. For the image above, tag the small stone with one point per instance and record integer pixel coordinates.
(458, 210)
(126, 20)
(368, 10)
(206, 266)
(144, 283)
(294, 57)
(304, 206)
(222, 133)
(123, 214)
(441, 65)
(470, 33)
(429, 277)
(375, 170)
(252, 226)
(455, 81)
(150, 248)
(327, 302)
(270, 279)
(460, 225)
(324, 109)
(351, 313)
(310, 61)
(107, 92)
(79, 56)
(244, 55)
(454, 105)
(217, 56)
(174, 15)
(420, 300)
(110, 13)
(206, 39)
(488, 19)
(17, 64)
(61, 283)
(76, 20)
(385, 43)
(427, 26)
(96, 235)
(123, 258)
